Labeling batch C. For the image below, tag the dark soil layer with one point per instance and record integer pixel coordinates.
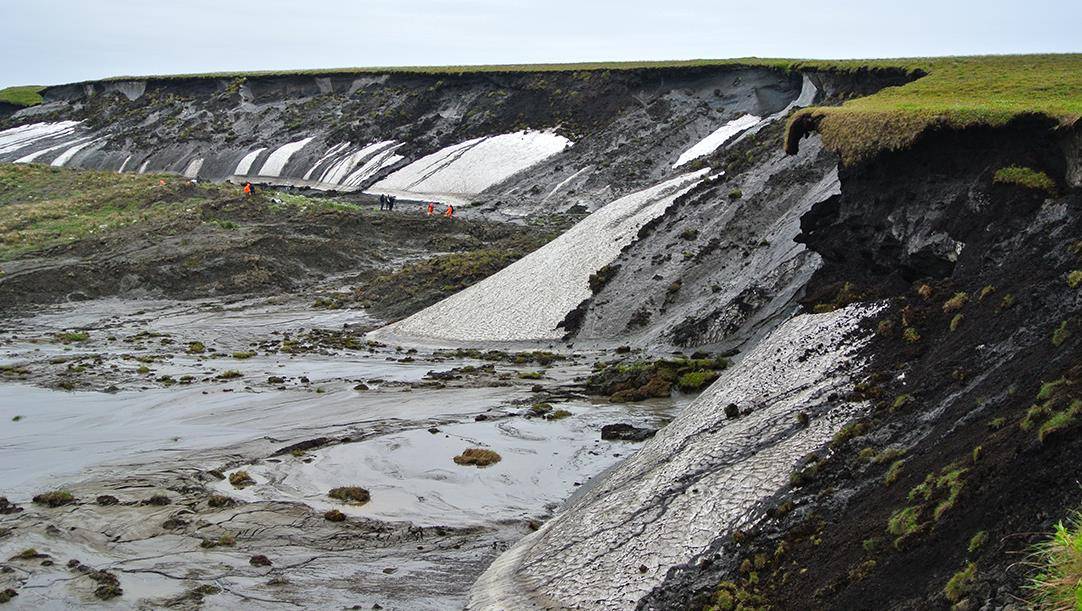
(979, 317)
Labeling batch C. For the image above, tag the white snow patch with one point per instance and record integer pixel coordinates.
(530, 297)
(192, 171)
(470, 167)
(16, 138)
(341, 169)
(564, 183)
(720, 136)
(277, 160)
(32, 157)
(66, 156)
(246, 162)
(380, 160)
(124, 165)
(334, 150)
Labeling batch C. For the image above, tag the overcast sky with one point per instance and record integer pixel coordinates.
(56, 41)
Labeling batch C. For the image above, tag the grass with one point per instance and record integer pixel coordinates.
(960, 583)
(1057, 583)
(56, 498)
(350, 494)
(240, 479)
(1025, 177)
(957, 92)
(24, 95)
(477, 456)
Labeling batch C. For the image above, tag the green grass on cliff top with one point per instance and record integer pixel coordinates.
(958, 92)
(26, 95)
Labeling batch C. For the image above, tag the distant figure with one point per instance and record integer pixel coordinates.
(391, 201)
(248, 190)
(450, 213)
(382, 201)
(161, 182)
(431, 208)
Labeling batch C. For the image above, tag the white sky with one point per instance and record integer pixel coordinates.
(56, 41)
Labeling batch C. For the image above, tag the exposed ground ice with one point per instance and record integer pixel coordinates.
(704, 474)
(530, 298)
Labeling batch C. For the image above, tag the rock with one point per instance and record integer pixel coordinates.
(260, 560)
(732, 410)
(626, 432)
(480, 417)
(362, 386)
(7, 507)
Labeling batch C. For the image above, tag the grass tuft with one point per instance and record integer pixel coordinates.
(1057, 583)
(1025, 177)
(24, 96)
(477, 456)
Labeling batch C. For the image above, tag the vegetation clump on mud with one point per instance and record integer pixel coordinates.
(350, 494)
(480, 457)
(56, 498)
(639, 380)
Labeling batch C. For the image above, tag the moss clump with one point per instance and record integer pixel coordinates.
(695, 381)
(960, 583)
(955, 303)
(977, 541)
(243, 355)
(219, 501)
(480, 457)
(196, 348)
(736, 194)
(986, 291)
(350, 494)
(901, 401)
(559, 414)
(1061, 421)
(530, 375)
(540, 409)
(56, 498)
(911, 335)
(241, 479)
(1057, 583)
(230, 374)
(905, 521)
(1025, 177)
(643, 379)
(1060, 335)
(1074, 279)
(334, 516)
(70, 337)
(849, 431)
(893, 473)
(956, 322)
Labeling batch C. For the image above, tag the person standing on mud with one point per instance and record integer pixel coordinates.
(431, 208)
(390, 202)
(382, 201)
(248, 190)
(450, 213)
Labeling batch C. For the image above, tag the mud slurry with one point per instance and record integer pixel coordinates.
(171, 399)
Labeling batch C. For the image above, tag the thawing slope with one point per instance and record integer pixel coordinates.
(530, 298)
(702, 475)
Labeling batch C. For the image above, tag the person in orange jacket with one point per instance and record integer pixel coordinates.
(450, 213)
(247, 188)
(431, 208)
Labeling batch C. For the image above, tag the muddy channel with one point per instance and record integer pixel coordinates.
(194, 445)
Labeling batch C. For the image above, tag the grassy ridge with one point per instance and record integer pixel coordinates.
(958, 92)
(26, 95)
(744, 62)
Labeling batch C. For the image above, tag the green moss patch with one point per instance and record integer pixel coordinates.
(23, 96)
(1025, 177)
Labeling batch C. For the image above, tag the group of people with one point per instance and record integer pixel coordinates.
(387, 202)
